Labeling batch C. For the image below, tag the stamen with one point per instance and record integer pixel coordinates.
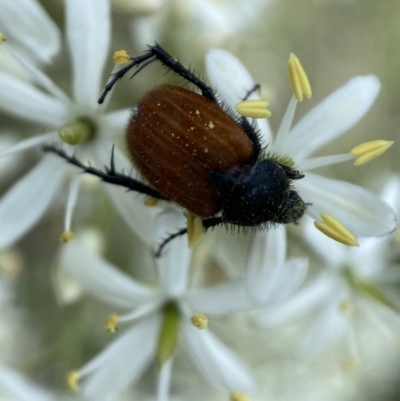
(256, 108)
(335, 230)
(2, 38)
(350, 364)
(73, 378)
(298, 79)
(111, 323)
(194, 228)
(66, 236)
(236, 396)
(121, 57)
(78, 131)
(368, 151)
(199, 320)
(72, 198)
(168, 334)
(150, 201)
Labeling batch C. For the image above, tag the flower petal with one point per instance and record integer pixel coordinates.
(217, 363)
(229, 297)
(114, 123)
(173, 264)
(137, 216)
(88, 32)
(32, 27)
(15, 387)
(23, 205)
(122, 362)
(231, 78)
(23, 100)
(265, 259)
(332, 117)
(360, 211)
(29, 143)
(102, 279)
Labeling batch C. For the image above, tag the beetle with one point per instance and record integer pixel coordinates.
(195, 151)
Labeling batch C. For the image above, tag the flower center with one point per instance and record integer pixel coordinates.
(75, 132)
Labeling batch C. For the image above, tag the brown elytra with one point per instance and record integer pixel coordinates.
(176, 137)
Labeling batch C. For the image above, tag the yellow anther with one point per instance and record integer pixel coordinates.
(194, 228)
(335, 230)
(368, 151)
(253, 108)
(350, 364)
(73, 378)
(345, 307)
(66, 236)
(298, 79)
(111, 324)
(199, 320)
(236, 396)
(2, 37)
(121, 57)
(150, 201)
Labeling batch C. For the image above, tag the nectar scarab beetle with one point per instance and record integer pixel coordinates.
(194, 151)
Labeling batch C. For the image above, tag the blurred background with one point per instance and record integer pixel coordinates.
(49, 327)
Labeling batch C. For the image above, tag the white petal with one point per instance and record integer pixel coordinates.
(15, 387)
(265, 258)
(391, 192)
(23, 205)
(123, 362)
(23, 100)
(229, 76)
(217, 363)
(333, 116)
(88, 32)
(102, 279)
(308, 298)
(131, 207)
(29, 143)
(32, 27)
(221, 299)
(113, 124)
(360, 211)
(173, 264)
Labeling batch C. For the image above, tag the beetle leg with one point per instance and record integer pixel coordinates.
(156, 52)
(255, 88)
(109, 175)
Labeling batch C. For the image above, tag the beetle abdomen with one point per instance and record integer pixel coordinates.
(176, 137)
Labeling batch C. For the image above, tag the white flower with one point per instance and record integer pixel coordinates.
(88, 36)
(361, 212)
(354, 280)
(172, 303)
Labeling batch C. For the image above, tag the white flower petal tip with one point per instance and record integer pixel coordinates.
(199, 320)
(111, 323)
(253, 108)
(194, 229)
(335, 230)
(2, 38)
(66, 236)
(121, 57)
(298, 78)
(236, 396)
(350, 364)
(150, 201)
(368, 151)
(73, 379)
